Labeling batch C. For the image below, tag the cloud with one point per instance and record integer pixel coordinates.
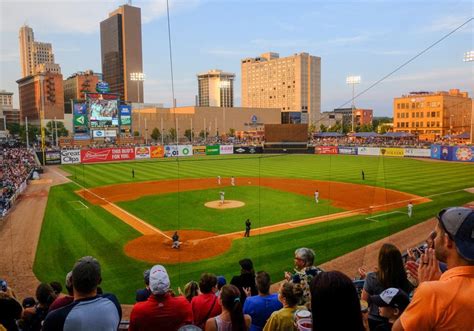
(392, 52)
(433, 75)
(448, 23)
(342, 41)
(9, 56)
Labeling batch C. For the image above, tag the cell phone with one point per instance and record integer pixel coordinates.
(3, 285)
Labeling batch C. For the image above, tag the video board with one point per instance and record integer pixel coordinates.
(103, 110)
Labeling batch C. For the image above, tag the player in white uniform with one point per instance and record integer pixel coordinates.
(222, 194)
(316, 196)
(218, 180)
(410, 209)
(232, 181)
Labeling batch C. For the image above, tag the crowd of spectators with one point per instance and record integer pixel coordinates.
(436, 294)
(370, 142)
(16, 166)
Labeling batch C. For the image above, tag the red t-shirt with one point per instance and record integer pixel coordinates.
(61, 302)
(161, 313)
(202, 311)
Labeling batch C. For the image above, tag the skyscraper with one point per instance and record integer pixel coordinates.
(121, 52)
(216, 89)
(292, 83)
(35, 57)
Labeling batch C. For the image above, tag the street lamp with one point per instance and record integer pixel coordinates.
(137, 77)
(353, 80)
(469, 57)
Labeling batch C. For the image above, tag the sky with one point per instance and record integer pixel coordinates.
(365, 38)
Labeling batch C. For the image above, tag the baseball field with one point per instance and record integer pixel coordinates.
(127, 221)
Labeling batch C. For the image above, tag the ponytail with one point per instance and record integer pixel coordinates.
(230, 298)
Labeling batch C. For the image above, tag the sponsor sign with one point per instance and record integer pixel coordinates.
(53, 157)
(392, 151)
(226, 149)
(80, 108)
(80, 120)
(347, 150)
(368, 151)
(248, 150)
(102, 87)
(70, 156)
(185, 150)
(171, 151)
(446, 153)
(199, 150)
(417, 152)
(435, 152)
(125, 114)
(142, 153)
(107, 154)
(325, 150)
(110, 133)
(463, 154)
(98, 133)
(212, 150)
(82, 137)
(157, 152)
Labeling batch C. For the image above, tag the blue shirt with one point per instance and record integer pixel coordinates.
(260, 308)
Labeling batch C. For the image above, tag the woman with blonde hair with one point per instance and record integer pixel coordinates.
(289, 295)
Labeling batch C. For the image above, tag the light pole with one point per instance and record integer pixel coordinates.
(352, 80)
(469, 57)
(138, 77)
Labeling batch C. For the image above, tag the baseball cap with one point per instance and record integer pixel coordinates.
(246, 264)
(159, 280)
(458, 222)
(221, 281)
(391, 297)
(28, 302)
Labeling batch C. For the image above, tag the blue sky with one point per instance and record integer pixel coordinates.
(366, 38)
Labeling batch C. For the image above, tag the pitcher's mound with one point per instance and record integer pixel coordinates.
(226, 205)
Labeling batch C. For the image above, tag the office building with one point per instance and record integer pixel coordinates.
(431, 115)
(35, 56)
(76, 85)
(292, 83)
(121, 52)
(215, 89)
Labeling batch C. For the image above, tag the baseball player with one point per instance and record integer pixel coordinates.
(316, 196)
(232, 181)
(176, 242)
(410, 209)
(248, 225)
(218, 180)
(222, 194)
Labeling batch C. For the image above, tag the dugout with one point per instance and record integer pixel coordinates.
(286, 138)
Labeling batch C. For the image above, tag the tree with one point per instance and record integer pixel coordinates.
(14, 128)
(323, 128)
(203, 134)
(187, 134)
(231, 132)
(155, 134)
(33, 133)
(311, 128)
(50, 129)
(172, 134)
(136, 134)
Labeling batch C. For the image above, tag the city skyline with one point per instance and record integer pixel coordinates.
(384, 35)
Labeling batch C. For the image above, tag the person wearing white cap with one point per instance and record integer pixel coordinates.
(445, 301)
(161, 311)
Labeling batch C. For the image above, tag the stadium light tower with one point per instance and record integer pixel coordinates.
(138, 77)
(469, 57)
(352, 80)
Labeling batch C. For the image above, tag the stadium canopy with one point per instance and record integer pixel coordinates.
(365, 134)
(328, 134)
(398, 135)
(464, 135)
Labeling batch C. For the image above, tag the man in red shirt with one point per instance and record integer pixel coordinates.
(206, 305)
(161, 311)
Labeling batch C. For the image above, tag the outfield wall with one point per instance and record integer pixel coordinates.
(96, 155)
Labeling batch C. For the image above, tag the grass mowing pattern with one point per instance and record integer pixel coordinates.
(263, 206)
(68, 234)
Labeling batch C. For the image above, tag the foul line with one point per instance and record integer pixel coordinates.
(78, 201)
(372, 218)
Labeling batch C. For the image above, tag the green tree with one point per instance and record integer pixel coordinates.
(136, 134)
(155, 134)
(323, 128)
(172, 134)
(33, 133)
(187, 134)
(51, 129)
(14, 128)
(203, 134)
(231, 132)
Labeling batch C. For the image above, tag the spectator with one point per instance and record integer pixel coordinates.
(221, 281)
(89, 311)
(33, 317)
(206, 304)
(161, 311)
(305, 271)
(64, 300)
(232, 316)
(445, 301)
(391, 302)
(334, 303)
(143, 294)
(289, 295)
(246, 279)
(57, 287)
(261, 306)
(10, 308)
(391, 273)
(191, 290)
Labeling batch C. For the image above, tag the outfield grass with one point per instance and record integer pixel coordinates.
(70, 232)
(263, 206)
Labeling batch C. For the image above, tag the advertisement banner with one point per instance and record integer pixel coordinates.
(53, 157)
(199, 150)
(125, 114)
(107, 154)
(80, 108)
(80, 120)
(417, 152)
(325, 150)
(446, 153)
(463, 154)
(435, 152)
(347, 150)
(212, 150)
(185, 150)
(110, 133)
(171, 151)
(157, 152)
(98, 133)
(226, 149)
(392, 152)
(248, 150)
(142, 153)
(368, 151)
(70, 156)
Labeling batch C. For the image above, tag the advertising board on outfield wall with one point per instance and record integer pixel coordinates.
(347, 150)
(70, 156)
(53, 157)
(157, 152)
(248, 150)
(392, 152)
(107, 154)
(463, 154)
(368, 151)
(185, 150)
(226, 149)
(417, 152)
(199, 150)
(212, 150)
(171, 150)
(142, 152)
(325, 150)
